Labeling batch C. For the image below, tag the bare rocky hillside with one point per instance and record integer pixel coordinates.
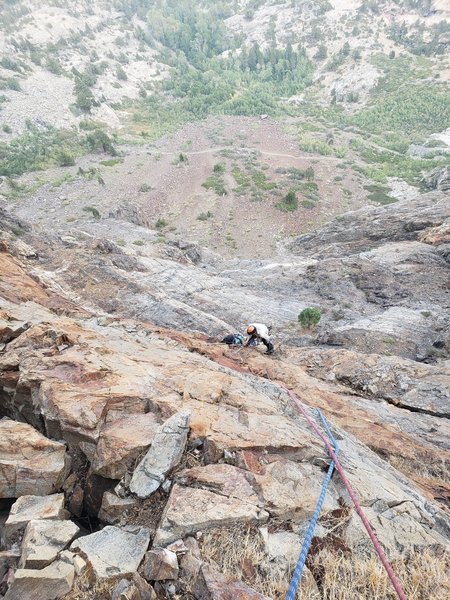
(105, 108)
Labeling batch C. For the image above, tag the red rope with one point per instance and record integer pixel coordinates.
(386, 564)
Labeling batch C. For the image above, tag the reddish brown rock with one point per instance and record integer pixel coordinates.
(134, 589)
(160, 564)
(211, 585)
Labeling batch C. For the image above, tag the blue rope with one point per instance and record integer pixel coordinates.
(295, 582)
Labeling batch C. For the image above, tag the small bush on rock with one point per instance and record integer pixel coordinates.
(309, 317)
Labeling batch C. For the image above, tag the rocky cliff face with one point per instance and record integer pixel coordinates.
(172, 446)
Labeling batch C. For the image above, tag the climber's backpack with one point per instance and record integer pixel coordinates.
(233, 339)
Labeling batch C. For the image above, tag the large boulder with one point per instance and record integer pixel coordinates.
(29, 462)
(282, 547)
(113, 551)
(8, 560)
(397, 528)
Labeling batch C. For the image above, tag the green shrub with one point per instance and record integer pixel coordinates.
(216, 183)
(52, 64)
(260, 180)
(120, 73)
(65, 159)
(161, 223)
(313, 146)
(38, 149)
(10, 84)
(12, 65)
(298, 174)
(309, 317)
(418, 110)
(94, 212)
(6, 128)
(307, 204)
(204, 216)
(379, 194)
(61, 180)
(181, 159)
(144, 188)
(99, 141)
(289, 203)
(111, 162)
(219, 168)
(321, 53)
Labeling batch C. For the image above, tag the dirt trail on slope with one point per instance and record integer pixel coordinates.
(254, 149)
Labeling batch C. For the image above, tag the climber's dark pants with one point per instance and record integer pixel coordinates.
(268, 344)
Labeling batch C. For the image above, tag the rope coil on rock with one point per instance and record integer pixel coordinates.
(386, 564)
(292, 592)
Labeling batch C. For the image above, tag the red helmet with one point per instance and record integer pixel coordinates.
(251, 329)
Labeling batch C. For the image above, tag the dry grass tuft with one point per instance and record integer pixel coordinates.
(85, 587)
(239, 551)
(424, 576)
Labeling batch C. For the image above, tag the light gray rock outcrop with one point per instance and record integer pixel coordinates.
(397, 528)
(113, 551)
(189, 510)
(438, 178)
(165, 452)
(28, 508)
(282, 547)
(43, 540)
(11, 328)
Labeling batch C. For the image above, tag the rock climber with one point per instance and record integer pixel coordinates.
(233, 339)
(258, 331)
